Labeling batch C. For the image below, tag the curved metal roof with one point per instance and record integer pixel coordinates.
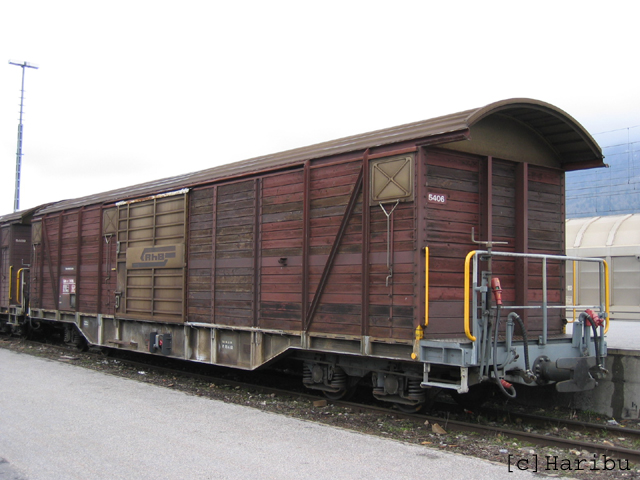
(603, 233)
(574, 145)
(575, 148)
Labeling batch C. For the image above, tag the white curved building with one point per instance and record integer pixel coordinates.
(616, 238)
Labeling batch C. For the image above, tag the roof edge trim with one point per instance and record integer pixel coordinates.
(538, 105)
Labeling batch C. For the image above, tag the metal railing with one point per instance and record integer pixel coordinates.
(544, 306)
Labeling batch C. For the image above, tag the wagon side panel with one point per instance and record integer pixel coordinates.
(15, 257)
(107, 254)
(88, 276)
(5, 263)
(452, 209)
(546, 211)
(234, 287)
(339, 295)
(281, 251)
(201, 255)
(391, 276)
(47, 254)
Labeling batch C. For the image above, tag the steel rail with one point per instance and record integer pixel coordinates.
(574, 424)
(538, 439)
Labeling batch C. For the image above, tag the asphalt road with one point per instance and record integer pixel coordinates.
(58, 421)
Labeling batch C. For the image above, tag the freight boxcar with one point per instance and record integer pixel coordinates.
(388, 256)
(15, 260)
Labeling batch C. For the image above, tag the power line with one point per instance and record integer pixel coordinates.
(617, 130)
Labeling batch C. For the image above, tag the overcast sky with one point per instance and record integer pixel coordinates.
(132, 91)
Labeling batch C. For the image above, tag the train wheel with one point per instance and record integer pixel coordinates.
(339, 395)
(405, 408)
(344, 393)
(74, 338)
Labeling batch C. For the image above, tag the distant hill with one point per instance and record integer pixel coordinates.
(611, 191)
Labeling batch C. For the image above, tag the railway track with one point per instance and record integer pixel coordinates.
(597, 439)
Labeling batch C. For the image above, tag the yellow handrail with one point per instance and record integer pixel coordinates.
(426, 286)
(18, 284)
(607, 293)
(10, 278)
(467, 272)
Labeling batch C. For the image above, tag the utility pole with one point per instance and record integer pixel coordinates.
(16, 199)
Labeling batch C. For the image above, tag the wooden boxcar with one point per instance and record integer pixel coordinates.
(15, 260)
(369, 256)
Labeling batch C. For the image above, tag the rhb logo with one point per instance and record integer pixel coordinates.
(162, 256)
(155, 257)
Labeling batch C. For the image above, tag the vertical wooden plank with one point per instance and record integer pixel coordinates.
(3, 266)
(486, 202)
(121, 257)
(420, 222)
(391, 254)
(154, 270)
(522, 236)
(257, 215)
(6, 261)
(43, 234)
(366, 239)
(12, 269)
(79, 259)
(56, 299)
(563, 246)
(100, 258)
(213, 253)
(306, 219)
(47, 247)
(185, 238)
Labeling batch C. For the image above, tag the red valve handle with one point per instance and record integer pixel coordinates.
(594, 316)
(497, 290)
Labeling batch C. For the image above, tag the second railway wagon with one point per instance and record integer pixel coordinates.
(388, 255)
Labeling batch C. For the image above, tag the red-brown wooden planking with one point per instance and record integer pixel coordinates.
(87, 269)
(546, 235)
(45, 287)
(232, 224)
(279, 242)
(72, 245)
(6, 262)
(448, 236)
(15, 246)
(200, 255)
(235, 219)
(339, 307)
(281, 238)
